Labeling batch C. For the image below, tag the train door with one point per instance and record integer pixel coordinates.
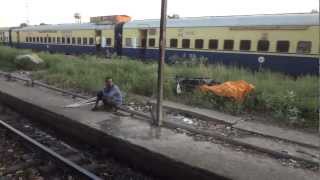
(143, 34)
(98, 39)
(118, 30)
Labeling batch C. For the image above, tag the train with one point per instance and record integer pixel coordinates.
(286, 43)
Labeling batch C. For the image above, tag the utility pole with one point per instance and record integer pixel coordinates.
(162, 50)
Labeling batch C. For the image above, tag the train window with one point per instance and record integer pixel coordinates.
(79, 40)
(185, 43)
(85, 40)
(68, 40)
(108, 41)
(53, 39)
(33, 39)
(91, 41)
(228, 44)
(58, 40)
(49, 39)
(283, 46)
(213, 43)
(63, 40)
(304, 47)
(152, 42)
(41, 39)
(73, 40)
(128, 42)
(245, 45)
(45, 39)
(173, 43)
(263, 45)
(198, 43)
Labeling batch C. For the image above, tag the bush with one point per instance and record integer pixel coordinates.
(7, 57)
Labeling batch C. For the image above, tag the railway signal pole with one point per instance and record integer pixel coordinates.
(162, 50)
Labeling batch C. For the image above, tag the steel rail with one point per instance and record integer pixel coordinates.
(48, 151)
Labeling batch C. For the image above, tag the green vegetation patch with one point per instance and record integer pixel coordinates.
(291, 100)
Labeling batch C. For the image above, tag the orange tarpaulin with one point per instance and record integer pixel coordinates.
(233, 89)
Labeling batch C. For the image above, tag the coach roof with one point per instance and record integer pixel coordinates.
(295, 19)
(66, 27)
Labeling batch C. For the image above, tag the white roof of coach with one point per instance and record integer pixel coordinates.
(4, 29)
(297, 19)
(65, 27)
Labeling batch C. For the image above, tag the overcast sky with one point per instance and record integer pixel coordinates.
(14, 12)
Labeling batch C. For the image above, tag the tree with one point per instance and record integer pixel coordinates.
(174, 16)
(23, 25)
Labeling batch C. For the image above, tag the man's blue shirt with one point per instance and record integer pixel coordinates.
(113, 93)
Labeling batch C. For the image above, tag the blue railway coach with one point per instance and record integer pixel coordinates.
(287, 43)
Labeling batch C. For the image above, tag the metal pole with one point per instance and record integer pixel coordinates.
(162, 46)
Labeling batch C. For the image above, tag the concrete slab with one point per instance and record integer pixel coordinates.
(200, 112)
(283, 133)
(253, 126)
(159, 150)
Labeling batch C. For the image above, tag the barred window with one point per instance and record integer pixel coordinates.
(79, 40)
(27, 39)
(213, 43)
(263, 45)
(283, 46)
(91, 41)
(185, 43)
(198, 43)
(34, 39)
(304, 47)
(228, 44)
(49, 39)
(128, 42)
(85, 41)
(73, 40)
(68, 40)
(108, 41)
(245, 45)
(38, 39)
(173, 43)
(152, 42)
(41, 39)
(58, 40)
(63, 40)
(53, 39)
(45, 39)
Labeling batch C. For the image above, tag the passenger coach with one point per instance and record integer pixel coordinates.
(283, 42)
(286, 43)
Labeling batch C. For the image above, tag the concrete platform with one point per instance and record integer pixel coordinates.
(252, 126)
(160, 151)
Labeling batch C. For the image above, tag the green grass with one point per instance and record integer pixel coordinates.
(290, 100)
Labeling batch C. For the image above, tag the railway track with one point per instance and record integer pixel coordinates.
(289, 153)
(53, 157)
